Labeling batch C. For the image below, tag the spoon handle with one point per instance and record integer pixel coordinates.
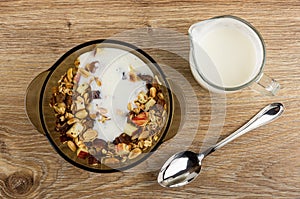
(265, 116)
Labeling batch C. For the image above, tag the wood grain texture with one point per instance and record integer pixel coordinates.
(261, 164)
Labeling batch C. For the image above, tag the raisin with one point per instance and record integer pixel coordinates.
(92, 66)
(99, 143)
(123, 138)
(95, 94)
(60, 97)
(92, 160)
(146, 78)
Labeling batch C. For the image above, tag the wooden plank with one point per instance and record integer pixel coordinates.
(261, 164)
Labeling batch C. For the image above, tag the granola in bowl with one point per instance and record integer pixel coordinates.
(110, 108)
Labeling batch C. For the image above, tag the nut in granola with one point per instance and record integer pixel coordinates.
(81, 114)
(142, 97)
(84, 72)
(149, 104)
(82, 88)
(152, 92)
(75, 130)
(90, 135)
(79, 103)
(110, 161)
(134, 153)
(145, 134)
(70, 74)
(71, 145)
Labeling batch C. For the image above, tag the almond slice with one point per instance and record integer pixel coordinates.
(90, 135)
(71, 145)
(134, 153)
(81, 114)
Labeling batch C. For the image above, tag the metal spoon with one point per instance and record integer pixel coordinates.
(183, 167)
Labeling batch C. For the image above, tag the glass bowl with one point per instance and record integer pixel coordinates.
(104, 106)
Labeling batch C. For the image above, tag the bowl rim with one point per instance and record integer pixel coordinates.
(110, 41)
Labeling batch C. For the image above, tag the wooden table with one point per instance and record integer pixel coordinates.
(262, 164)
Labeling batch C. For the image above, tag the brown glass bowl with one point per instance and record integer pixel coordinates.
(42, 116)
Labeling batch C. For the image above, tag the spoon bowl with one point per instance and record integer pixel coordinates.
(183, 167)
(180, 169)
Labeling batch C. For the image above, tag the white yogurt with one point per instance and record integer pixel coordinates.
(116, 90)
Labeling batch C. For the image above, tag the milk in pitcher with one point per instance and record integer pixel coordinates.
(225, 53)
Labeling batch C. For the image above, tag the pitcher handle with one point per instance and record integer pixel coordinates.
(266, 85)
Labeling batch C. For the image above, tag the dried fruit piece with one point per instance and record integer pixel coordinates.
(93, 161)
(62, 127)
(134, 153)
(132, 76)
(95, 95)
(141, 119)
(76, 78)
(69, 101)
(64, 138)
(99, 143)
(92, 67)
(82, 153)
(146, 78)
(124, 138)
(60, 97)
